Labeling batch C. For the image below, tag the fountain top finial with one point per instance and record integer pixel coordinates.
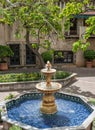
(48, 65)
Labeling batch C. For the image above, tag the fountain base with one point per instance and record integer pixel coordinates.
(48, 89)
(48, 105)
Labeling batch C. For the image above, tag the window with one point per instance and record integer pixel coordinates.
(30, 56)
(63, 57)
(73, 28)
(15, 60)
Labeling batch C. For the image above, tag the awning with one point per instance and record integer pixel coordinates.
(85, 14)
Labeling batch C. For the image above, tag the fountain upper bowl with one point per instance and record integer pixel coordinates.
(46, 71)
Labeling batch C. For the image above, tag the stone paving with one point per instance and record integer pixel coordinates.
(85, 82)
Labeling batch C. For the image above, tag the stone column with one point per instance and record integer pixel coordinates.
(80, 61)
(2, 34)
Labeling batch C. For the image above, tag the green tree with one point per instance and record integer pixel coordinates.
(73, 8)
(40, 19)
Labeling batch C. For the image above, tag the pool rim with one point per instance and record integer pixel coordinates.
(84, 125)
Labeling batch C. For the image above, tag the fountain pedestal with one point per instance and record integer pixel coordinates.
(48, 89)
(48, 105)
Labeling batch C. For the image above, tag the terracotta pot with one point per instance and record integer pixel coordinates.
(3, 66)
(89, 64)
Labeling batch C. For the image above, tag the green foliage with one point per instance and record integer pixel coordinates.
(91, 27)
(5, 51)
(0, 110)
(14, 77)
(86, 1)
(39, 19)
(34, 45)
(47, 56)
(72, 8)
(61, 75)
(17, 77)
(46, 45)
(89, 55)
(92, 101)
(79, 45)
(45, 17)
(32, 14)
(15, 128)
(10, 96)
(59, 55)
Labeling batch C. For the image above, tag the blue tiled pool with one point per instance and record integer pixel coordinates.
(72, 111)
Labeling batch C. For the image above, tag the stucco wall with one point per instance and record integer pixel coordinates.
(7, 36)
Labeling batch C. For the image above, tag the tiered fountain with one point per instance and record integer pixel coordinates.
(48, 109)
(48, 88)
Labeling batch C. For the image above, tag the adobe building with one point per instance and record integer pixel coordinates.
(23, 57)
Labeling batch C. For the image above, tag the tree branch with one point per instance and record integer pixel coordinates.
(51, 26)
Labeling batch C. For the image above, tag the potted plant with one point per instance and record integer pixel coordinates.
(89, 55)
(5, 51)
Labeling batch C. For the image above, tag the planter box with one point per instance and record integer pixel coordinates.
(30, 85)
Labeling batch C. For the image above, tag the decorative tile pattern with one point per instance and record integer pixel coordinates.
(72, 111)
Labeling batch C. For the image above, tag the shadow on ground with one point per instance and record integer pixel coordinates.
(76, 90)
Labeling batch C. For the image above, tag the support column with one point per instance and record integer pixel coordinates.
(80, 61)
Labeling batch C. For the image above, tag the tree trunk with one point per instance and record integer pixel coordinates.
(35, 51)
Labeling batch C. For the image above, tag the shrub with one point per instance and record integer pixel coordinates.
(61, 75)
(15, 128)
(92, 101)
(5, 51)
(10, 96)
(89, 55)
(47, 56)
(16, 77)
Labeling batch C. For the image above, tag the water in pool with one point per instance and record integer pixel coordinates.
(69, 113)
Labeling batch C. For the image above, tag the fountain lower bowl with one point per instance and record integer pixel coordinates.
(55, 86)
(24, 111)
